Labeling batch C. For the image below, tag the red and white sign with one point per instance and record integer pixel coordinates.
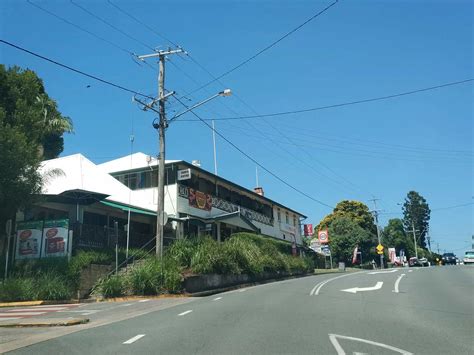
(308, 230)
(323, 237)
(354, 255)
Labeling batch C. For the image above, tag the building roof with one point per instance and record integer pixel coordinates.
(131, 162)
(77, 173)
(81, 173)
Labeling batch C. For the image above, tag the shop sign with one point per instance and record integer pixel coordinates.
(55, 238)
(200, 200)
(28, 240)
(308, 230)
(184, 174)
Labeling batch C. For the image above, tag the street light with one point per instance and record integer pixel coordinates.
(226, 92)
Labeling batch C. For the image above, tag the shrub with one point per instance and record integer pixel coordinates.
(53, 286)
(245, 254)
(145, 279)
(18, 289)
(112, 286)
(43, 286)
(182, 250)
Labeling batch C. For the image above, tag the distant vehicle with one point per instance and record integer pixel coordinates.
(449, 259)
(414, 262)
(469, 257)
(424, 262)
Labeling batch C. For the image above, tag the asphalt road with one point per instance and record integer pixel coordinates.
(407, 311)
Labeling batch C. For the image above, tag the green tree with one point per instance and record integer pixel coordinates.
(355, 211)
(345, 234)
(416, 213)
(31, 130)
(394, 236)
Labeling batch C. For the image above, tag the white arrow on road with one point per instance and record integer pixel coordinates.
(383, 272)
(377, 286)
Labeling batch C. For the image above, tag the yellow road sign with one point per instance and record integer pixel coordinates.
(379, 248)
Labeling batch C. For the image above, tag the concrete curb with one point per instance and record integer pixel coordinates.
(44, 323)
(37, 303)
(249, 284)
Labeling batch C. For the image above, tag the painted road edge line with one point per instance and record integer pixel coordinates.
(317, 288)
(217, 298)
(340, 351)
(134, 339)
(397, 283)
(184, 313)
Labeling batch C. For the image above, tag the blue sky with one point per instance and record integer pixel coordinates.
(356, 50)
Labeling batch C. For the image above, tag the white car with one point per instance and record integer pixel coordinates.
(469, 257)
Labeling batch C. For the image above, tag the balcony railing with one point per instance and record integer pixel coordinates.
(230, 207)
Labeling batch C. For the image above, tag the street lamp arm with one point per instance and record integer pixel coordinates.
(226, 92)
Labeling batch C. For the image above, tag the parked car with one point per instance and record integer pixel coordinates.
(414, 262)
(424, 262)
(448, 259)
(468, 257)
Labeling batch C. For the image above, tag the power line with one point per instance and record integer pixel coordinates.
(80, 28)
(123, 88)
(267, 47)
(436, 209)
(342, 104)
(142, 23)
(214, 79)
(255, 161)
(110, 25)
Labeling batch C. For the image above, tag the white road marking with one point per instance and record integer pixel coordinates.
(340, 350)
(9, 318)
(134, 339)
(184, 313)
(89, 312)
(217, 298)
(377, 286)
(410, 270)
(55, 305)
(21, 314)
(41, 309)
(126, 304)
(397, 283)
(383, 272)
(143, 301)
(242, 290)
(317, 288)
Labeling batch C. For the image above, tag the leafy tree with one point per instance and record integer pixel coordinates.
(355, 211)
(416, 213)
(31, 129)
(394, 236)
(345, 234)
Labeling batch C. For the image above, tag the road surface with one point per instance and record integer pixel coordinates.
(407, 311)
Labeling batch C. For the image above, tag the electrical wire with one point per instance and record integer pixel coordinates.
(123, 88)
(110, 25)
(342, 104)
(271, 45)
(435, 209)
(255, 161)
(80, 28)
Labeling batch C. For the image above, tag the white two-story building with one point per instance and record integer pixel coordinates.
(197, 202)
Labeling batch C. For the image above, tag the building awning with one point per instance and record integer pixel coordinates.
(233, 218)
(126, 208)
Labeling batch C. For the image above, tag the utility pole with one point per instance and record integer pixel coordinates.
(414, 237)
(214, 144)
(376, 214)
(438, 247)
(161, 127)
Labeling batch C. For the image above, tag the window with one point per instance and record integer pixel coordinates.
(287, 218)
(279, 215)
(294, 221)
